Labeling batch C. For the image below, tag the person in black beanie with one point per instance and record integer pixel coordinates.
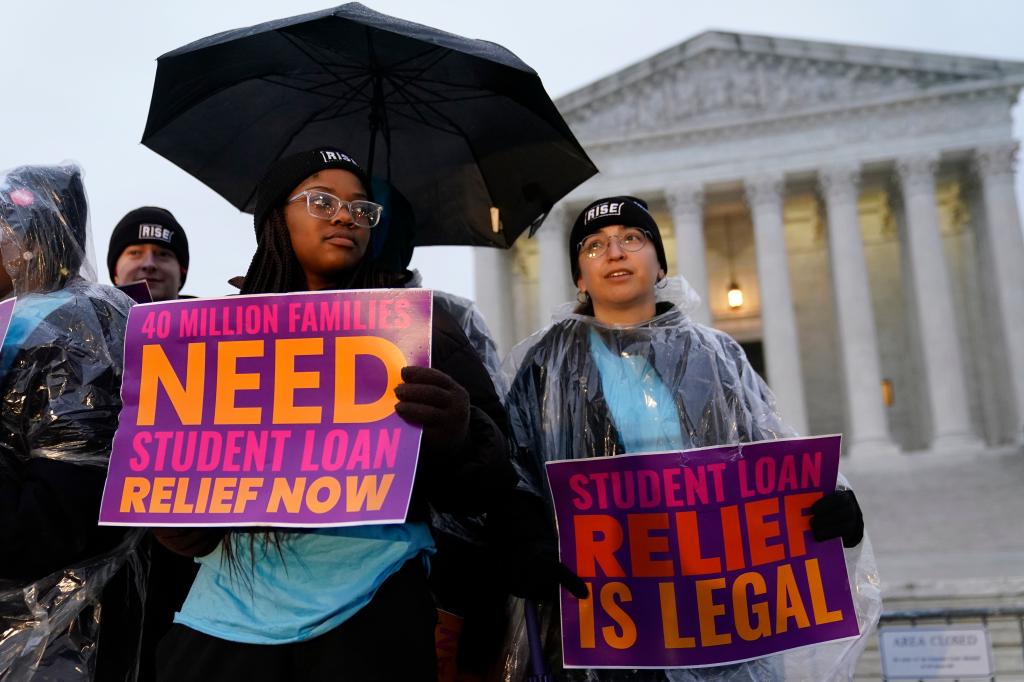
(149, 244)
(622, 210)
(628, 371)
(340, 603)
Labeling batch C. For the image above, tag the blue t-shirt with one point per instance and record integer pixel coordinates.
(323, 578)
(642, 408)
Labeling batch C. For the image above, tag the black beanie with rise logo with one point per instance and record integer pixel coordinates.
(148, 225)
(622, 210)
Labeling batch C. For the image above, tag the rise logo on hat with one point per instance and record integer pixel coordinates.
(148, 225)
(609, 208)
(148, 231)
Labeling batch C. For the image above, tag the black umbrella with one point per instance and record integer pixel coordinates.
(462, 127)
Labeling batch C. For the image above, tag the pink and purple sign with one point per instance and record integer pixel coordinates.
(6, 313)
(270, 410)
(137, 291)
(699, 558)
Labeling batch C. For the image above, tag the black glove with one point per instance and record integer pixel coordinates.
(838, 515)
(190, 542)
(435, 401)
(525, 549)
(536, 576)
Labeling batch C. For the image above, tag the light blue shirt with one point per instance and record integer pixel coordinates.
(641, 406)
(323, 578)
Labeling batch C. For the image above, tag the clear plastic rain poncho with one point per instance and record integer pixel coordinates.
(472, 323)
(60, 380)
(559, 411)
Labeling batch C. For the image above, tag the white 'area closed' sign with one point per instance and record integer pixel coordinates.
(935, 652)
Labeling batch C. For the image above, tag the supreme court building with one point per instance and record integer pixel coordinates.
(860, 199)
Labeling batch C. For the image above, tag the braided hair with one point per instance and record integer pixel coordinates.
(274, 269)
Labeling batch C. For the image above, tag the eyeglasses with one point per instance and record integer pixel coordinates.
(631, 240)
(327, 206)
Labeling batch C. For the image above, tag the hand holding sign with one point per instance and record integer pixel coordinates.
(542, 574)
(522, 537)
(433, 400)
(838, 515)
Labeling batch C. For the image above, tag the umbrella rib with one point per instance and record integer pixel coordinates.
(442, 53)
(469, 144)
(422, 121)
(314, 91)
(323, 66)
(420, 85)
(400, 82)
(419, 115)
(339, 111)
(401, 64)
(342, 102)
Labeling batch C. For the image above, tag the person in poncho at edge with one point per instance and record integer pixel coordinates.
(71, 592)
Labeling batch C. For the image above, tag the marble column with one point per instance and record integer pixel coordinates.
(995, 168)
(778, 319)
(941, 358)
(686, 203)
(492, 275)
(867, 430)
(554, 278)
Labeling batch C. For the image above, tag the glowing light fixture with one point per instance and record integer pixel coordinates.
(734, 296)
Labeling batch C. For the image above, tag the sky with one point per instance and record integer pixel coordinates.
(77, 78)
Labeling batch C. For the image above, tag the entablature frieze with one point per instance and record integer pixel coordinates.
(952, 113)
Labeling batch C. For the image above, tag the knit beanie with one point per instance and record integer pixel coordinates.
(148, 225)
(287, 173)
(622, 210)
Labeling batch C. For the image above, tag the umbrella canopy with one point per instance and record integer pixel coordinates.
(461, 127)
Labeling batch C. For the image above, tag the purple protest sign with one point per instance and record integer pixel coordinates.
(267, 410)
(6, 312)
(699, 558)
(137, 291)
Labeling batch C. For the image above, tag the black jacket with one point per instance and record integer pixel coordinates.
(467, 479)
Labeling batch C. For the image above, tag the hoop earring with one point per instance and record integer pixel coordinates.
(583, 297)
(661, 283)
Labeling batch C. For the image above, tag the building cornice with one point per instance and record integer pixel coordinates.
(1005, 89)
(768, 46)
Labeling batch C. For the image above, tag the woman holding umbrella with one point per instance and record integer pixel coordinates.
(340, 603)
(629, 371)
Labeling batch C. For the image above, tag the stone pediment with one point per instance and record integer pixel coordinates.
(721, 78)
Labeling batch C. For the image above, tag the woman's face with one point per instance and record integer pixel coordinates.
(619, 280)
(326, 248)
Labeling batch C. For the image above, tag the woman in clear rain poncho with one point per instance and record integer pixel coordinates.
(60, 381)
(629, 371)
(351, 602)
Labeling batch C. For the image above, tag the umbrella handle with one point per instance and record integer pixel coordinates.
(538, 673)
